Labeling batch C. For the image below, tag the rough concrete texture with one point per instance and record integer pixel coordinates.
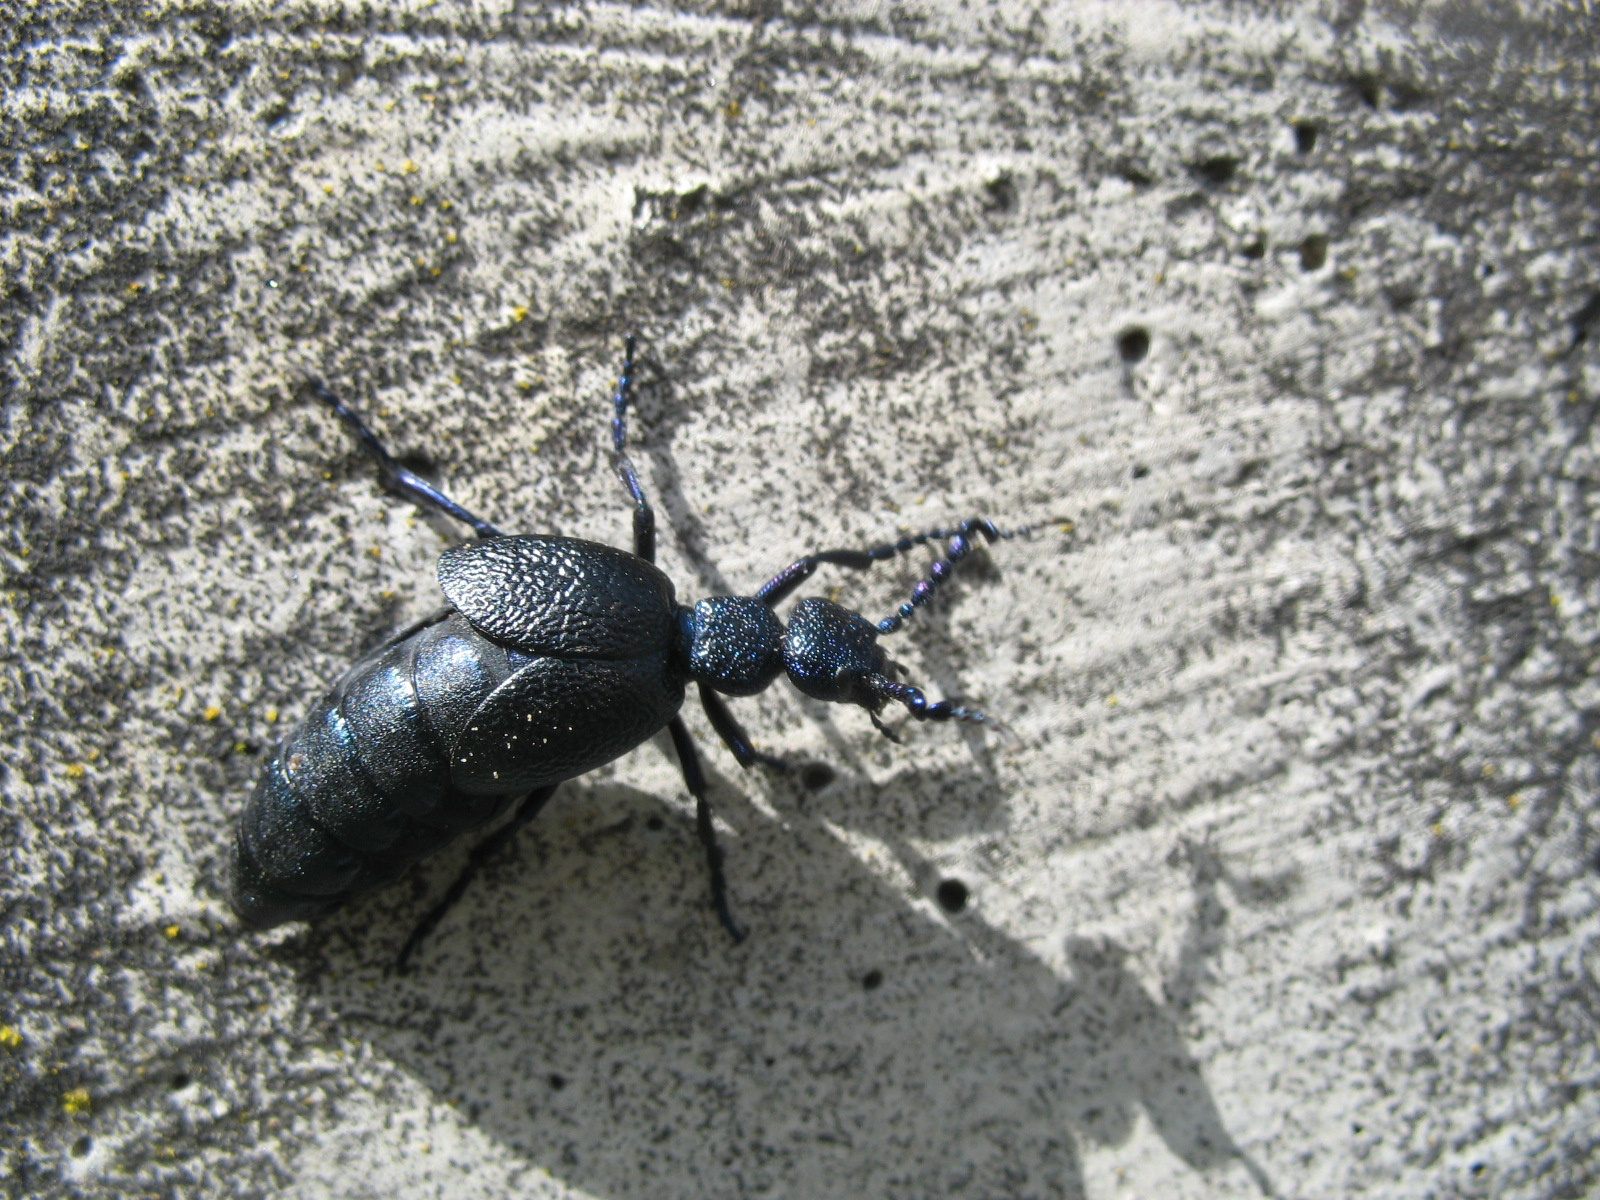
(1287, 883)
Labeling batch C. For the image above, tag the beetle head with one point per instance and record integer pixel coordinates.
(832, 653)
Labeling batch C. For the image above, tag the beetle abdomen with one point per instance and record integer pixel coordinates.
(434, 733)
(362, 789)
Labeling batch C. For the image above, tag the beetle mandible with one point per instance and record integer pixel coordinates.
(553, 656)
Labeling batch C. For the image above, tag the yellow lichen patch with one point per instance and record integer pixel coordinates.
(10, 1037)
(212, 712)
(171, 932)
(75, 770)
(76, 1102)
(519, 313)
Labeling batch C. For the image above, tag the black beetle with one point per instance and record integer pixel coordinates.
(553, 657)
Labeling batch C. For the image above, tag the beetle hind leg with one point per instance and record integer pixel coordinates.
(398, 478)
(481, 854)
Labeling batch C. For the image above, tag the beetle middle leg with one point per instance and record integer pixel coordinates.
(733, 735)
(644, 517)
(396, 477)
(695, 780)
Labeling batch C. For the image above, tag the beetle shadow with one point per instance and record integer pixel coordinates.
(582, 1007)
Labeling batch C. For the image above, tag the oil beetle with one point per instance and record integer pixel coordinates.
(553, 657)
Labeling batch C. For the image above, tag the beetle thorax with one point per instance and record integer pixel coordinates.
(733, 644)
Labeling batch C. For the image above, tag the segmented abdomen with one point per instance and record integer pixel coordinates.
(363, 789)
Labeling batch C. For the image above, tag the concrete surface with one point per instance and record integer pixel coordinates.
(1287, 884)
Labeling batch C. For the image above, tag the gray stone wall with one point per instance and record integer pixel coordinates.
(1285, 883)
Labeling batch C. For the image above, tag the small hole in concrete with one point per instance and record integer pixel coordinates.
(816, 776)
(81, 1146)
(655, 824)
(872, 979)
(557, 1082)
(1140, 470)
(421, 464)
(952, 895)
(180, 1081)
(1217, 170)
(1137, 176)
(1305, 137)
(1001, 194)
(1254, 248)
(1313, 252)
(1133, 344)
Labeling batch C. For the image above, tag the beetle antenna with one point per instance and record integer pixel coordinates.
(958, 544)
(924, 709)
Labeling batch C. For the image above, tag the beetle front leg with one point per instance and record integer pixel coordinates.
(733, 735)
(694, 779)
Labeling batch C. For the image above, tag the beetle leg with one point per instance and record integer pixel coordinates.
(694, 779)
(644, 517)
(481, 853)
(396, 477)
(733, 735)
(785, 581)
